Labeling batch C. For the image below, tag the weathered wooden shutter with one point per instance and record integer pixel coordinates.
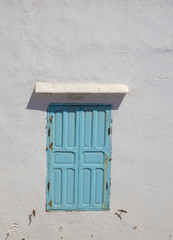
(94, 165)
(79, 152)
(63, 154)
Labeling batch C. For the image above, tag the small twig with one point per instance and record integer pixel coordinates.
(30, 217)
(122, 210)
(7, 236)
(119, 215)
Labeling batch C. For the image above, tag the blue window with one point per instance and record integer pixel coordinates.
(78, 157)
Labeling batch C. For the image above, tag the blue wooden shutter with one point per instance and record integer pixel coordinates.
(63, 153)
(79, 152)
(95, 154)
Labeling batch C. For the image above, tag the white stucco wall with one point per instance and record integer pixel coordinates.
(129, 42)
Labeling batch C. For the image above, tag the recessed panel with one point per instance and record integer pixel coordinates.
(93, 157)
(71, 133)
(86, 186)
(58, 129)
(101, 125)
(99, 179)
(64, 157)
(70, 186)
(57, 190)
(88, 126)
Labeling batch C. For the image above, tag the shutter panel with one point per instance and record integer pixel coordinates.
(95, 153)
(63, 142)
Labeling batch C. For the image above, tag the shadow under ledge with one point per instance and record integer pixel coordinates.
(41, 101)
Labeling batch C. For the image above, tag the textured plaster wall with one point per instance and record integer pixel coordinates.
(129, 42)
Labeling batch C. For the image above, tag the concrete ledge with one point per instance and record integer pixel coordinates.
(48, 87)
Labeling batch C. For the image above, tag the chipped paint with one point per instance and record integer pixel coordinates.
(108, 118)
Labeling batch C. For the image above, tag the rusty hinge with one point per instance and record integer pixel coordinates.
(51, 119)
(51, 145)
(48, 185)
(109, 131)
(50, 203)
(49, 132)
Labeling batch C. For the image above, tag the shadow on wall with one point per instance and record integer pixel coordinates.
(41, 101)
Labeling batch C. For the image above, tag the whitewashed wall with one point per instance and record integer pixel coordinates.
(129, 42)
